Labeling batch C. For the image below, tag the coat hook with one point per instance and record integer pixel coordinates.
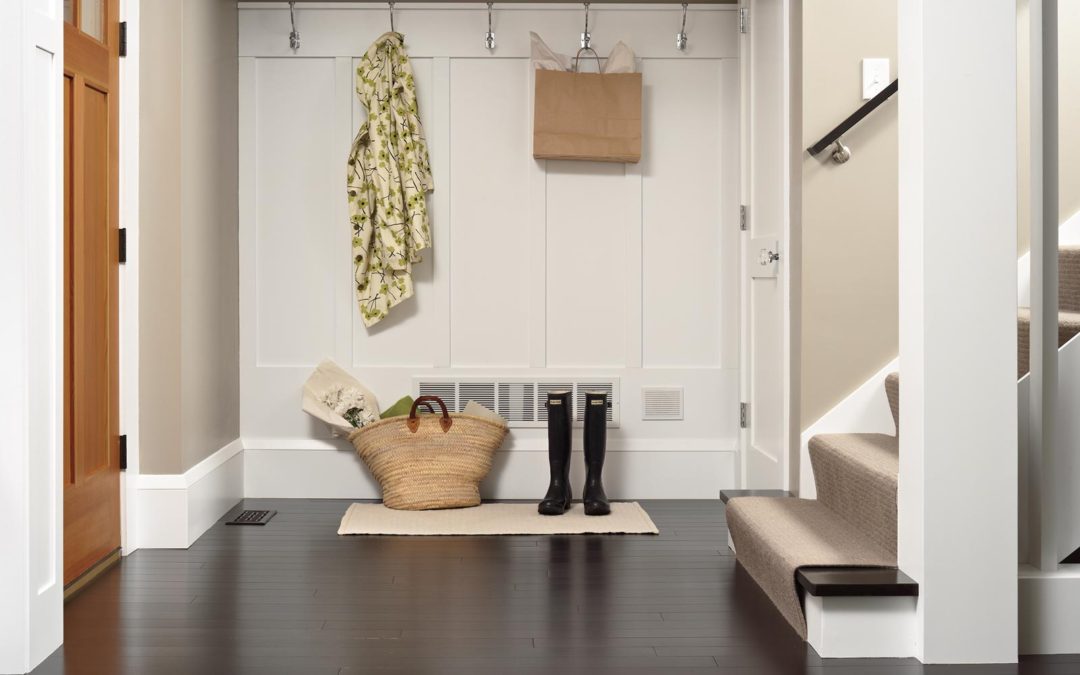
(391, 3)
(586, 39)
(489, 38)
(294, 36)
(680, 37)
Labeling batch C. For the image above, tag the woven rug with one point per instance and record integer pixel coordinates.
(495, 519)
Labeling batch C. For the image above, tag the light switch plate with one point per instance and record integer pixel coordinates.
(875, 77)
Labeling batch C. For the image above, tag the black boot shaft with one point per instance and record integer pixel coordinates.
(557, 499)
(596, 407)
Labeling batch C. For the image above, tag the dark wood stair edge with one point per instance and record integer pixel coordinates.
(726, 495)
(856, 582)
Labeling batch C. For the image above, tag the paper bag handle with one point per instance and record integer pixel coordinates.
(577, 58)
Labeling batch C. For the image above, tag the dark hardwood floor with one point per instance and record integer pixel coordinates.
(293, 597)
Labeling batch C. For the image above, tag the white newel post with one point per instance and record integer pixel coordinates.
(958, 452)
(31, 347)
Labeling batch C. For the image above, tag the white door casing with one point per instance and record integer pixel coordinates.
(765, 352)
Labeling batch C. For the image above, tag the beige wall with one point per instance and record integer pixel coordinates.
(189, 358)
(849, 211)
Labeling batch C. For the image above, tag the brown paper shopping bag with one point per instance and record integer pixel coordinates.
(587, 116)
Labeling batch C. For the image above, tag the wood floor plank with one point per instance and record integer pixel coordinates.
(293, 597)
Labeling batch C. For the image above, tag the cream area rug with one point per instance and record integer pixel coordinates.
(495, 518)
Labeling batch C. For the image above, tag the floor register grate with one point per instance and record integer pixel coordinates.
(252, 517)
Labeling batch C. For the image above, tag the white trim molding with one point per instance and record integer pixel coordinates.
(176, 509)
(1049, 610)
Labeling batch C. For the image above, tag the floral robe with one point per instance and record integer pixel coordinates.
(388, 177)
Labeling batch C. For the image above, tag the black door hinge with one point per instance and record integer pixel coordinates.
(123, 452)
(121, 254)
(123, 38)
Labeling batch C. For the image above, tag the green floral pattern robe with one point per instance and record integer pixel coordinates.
(389, 175)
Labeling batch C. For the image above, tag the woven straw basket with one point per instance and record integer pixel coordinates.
(429, 462)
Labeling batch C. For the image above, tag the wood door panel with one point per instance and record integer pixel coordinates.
(90, 286)
(91, 192)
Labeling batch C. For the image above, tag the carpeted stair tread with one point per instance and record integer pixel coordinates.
(892, 391)
(1068, 327)
(856, 477)
(774, 537)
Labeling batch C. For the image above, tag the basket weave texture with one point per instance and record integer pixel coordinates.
(429, 461)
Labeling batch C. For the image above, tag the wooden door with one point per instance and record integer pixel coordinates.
(91, 241)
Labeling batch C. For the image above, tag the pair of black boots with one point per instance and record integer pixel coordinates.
(558, 498)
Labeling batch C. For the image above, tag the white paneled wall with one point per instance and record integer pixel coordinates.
(539, 269)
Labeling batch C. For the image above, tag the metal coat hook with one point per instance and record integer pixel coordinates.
(294, 36)
(391, 3)
(680, 37)
(489, 38)
(586, 39)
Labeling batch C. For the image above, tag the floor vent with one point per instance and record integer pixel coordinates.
(662, 403)
(519, 400)
(252, 517)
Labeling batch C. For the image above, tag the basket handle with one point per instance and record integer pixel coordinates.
(413, 423)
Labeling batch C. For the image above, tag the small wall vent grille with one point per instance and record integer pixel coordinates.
(662, 403)
(519, 400)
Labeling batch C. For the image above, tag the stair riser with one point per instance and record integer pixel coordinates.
(866, 500)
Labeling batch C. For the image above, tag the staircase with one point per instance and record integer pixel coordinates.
(852, 523)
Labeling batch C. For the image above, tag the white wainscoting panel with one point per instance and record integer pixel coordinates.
(586, 257)
(540, 269)
(299, 177)
(491, 154)
(681, 203)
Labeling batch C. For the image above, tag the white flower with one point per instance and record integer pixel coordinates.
(350, 404)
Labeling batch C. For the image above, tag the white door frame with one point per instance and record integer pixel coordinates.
(789, 245)
(129, 276)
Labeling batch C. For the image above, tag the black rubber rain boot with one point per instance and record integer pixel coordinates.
(596, 406)
(557, 500)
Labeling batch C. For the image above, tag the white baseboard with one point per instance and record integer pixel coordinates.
(1049, 610)
(176, 509)
(865, 410)
(332, 473)
(866, 627)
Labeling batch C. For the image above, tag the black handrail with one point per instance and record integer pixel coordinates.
(855, 117)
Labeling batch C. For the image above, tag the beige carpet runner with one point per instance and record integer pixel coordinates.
(495, 519)
(852, 523)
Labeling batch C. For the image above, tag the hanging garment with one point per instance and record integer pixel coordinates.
(389, 175)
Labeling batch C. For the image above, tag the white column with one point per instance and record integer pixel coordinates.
(958, 452)
(31, 347)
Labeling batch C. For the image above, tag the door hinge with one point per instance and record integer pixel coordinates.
(744, 415)
(121, 253)
(123, 39)
(123, 452)
(742, 217)
(744, 19)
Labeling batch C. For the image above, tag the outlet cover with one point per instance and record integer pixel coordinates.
(875, 77)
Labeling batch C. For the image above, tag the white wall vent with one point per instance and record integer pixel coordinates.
(661, 403)
(579, 397)
(519, 400)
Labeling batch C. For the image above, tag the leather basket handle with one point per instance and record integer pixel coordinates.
(413, 423)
